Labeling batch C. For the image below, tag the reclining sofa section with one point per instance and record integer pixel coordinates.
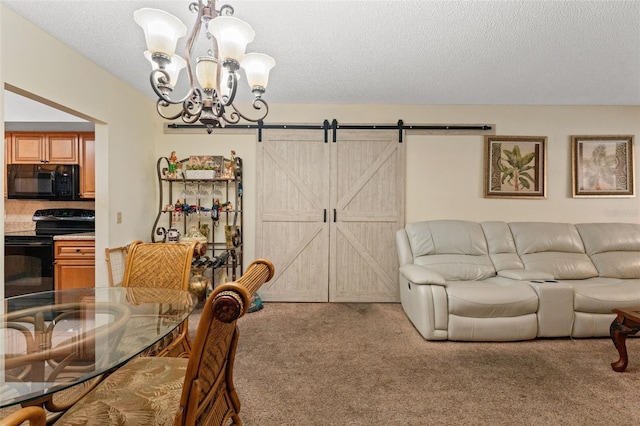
(498, 281)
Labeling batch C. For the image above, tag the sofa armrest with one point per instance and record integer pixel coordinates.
(417, 274)
(523, 275)
(555, 307)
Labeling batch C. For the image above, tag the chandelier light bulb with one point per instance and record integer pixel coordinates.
(233, 35)
(207, 72)
(161, 30)
(256, 67)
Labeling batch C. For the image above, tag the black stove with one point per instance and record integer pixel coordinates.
(51, 222)
(28, 266)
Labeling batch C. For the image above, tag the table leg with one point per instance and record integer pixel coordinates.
(619, 332)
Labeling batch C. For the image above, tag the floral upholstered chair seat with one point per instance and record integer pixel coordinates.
(143, 392)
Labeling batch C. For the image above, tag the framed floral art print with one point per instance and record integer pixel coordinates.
(514, 166)
(602, 166)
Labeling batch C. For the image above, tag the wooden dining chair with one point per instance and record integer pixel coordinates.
(36, 416)
(116, 258)
(166, 266)
(197, 391)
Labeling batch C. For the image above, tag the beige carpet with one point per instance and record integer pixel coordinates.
(365, 364)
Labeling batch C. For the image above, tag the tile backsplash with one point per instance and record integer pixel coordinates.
(18, 213)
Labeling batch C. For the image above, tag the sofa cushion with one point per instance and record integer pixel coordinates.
(455, 249)
(494, 297)
(596, 296)
(555, 248)
(614, 248)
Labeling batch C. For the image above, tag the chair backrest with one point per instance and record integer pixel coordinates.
(208, 394)
(158, 265)
(116, 259)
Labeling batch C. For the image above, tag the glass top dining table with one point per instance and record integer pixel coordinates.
(55, 340)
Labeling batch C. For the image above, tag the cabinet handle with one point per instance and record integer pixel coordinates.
(334, 215)
(325, 216)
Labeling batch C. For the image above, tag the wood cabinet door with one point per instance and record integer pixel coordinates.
(293, 226)
(28, 148)
(35, 148)
(7, 158)
(62, 148)
(367, 196)
(70, 274)
(87, 165)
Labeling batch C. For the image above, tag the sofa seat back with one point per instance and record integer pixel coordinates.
(502, 248)
(554, 248)
(455, 249)
(614, 248)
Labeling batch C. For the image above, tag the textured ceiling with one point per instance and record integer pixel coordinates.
(394, 52)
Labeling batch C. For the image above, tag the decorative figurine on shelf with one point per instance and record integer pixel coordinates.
(215, 211)
(172, 172)
(204, 229)
(229, 166)
(173, 235)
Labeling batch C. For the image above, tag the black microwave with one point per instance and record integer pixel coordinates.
(43, 181)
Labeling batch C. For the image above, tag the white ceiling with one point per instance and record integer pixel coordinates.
(516, 52)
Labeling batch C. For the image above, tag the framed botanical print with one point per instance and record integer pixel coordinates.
(514, 166)
(602, 166)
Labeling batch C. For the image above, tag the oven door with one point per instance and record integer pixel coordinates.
(28, 266)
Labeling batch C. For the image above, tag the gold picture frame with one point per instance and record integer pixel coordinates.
(515, 167)
(602, 166)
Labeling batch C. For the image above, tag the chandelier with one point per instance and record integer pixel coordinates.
(217, 72)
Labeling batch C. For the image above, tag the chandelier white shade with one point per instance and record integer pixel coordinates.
(161, 30)
(213, 89)
(233, 35)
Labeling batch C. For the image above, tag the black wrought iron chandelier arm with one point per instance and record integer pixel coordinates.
(191, 108)
(226, 10)
(232, 85)
(257, 104)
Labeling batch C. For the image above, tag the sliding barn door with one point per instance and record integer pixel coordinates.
(367, 194)
(293, 193)
(328, 211)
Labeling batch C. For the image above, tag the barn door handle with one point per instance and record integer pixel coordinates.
(334, 215)
(325, 216)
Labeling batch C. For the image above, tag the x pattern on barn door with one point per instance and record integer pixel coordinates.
(328, 213)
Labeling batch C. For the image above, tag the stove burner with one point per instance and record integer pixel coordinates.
(64, 214)
(64, 221)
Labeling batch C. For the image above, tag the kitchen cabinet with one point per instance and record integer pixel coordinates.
(74, 264)
(35, 148)
(87, 145)
(7, 158)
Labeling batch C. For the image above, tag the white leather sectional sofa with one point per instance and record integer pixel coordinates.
(499, 281)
